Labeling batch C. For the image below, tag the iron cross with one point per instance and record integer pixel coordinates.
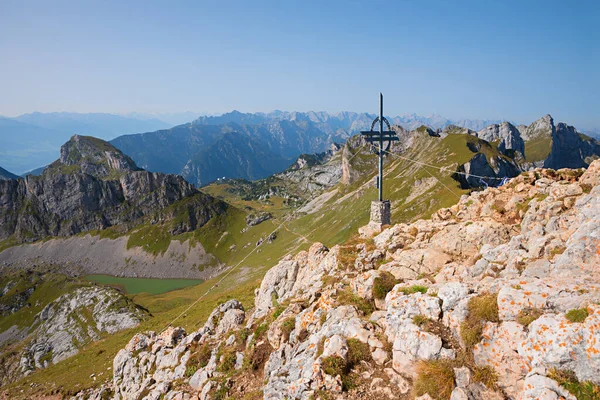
(380, 137)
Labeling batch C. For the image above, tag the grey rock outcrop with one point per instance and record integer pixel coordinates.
(507, 135)
(73, 320)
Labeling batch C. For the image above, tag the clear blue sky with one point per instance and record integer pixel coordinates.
(514, 60)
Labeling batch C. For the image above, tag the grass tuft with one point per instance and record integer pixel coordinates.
(482, 309)
(383, 284)
(486, 375)
(287, 327)
(434, 377)
(577, 315)
(357, 352)
(349, 298)
(414, 289)
(334, 365)
(581, 390)
(420, 320)
(528, 315)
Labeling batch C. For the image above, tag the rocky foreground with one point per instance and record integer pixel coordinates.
(496, 297)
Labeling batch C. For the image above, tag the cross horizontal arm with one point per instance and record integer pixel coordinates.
(377, 133)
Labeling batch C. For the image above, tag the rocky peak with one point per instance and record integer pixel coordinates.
(94, 157)
(507, 134)
(542, 127)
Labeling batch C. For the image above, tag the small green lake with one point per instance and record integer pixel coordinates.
(147, 285)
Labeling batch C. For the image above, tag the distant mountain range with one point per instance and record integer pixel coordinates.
(5, 175)
(33, 140)
(195, 150)
(350, 122)
(256, 145)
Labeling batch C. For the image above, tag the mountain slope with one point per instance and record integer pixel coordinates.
(484, 300)
(202, 153)
(234, 154)
(5, 175)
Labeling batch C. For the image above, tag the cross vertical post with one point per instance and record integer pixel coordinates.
(380, 182)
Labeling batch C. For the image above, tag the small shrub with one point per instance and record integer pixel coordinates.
(348, 297)
(323, 318)
(557, 251)
(259, 356)
(278, 311)
(287, 327)
(586, 187)
(191, 370)
(420, 320)
(486, 375)
(528, 315)
(436, 378)
(482, 308)
(357, 352)
(581, 390)
(321, 347)
(414, 289)
(260, 331)
(228, 362)
(383, 284)
(577, 315)
(200, 357)
(334, 365)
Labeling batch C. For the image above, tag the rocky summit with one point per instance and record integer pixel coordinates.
(93, 186)
(495, 297)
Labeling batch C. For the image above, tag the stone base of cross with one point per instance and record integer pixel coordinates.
(381, 215)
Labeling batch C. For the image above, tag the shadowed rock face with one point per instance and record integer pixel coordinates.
(92, 186)
(569, 149)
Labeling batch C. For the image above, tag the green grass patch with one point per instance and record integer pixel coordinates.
(347, 297)
(414, 289)
(153, 239)
(287, 327)
(538, 149)
(581, 390)
(577, 315)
